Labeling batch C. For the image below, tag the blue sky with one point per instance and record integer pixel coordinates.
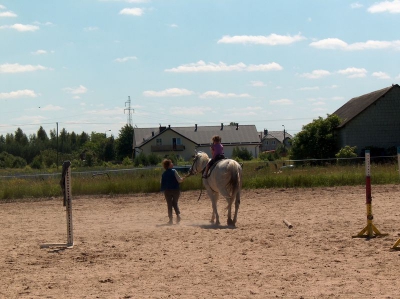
(185, 62)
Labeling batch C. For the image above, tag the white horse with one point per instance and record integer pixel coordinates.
(225, 179)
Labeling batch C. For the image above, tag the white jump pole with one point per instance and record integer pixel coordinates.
(396, 245)
(370, 231)
(398, 158)
(66, 185)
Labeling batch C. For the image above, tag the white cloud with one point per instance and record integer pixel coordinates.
(316, 74)
(201, 66)
(189, 111)
(270, 40)
(309, 88)
(125, 59)
(247, 111)
(338, 44)
(220, 95)
(44, 24)
(106, 112)
(39, 52)
(91, 28)
(385, 6)
(2, 7)
(35, 119)
(338, 98)
(356, 5)
(257, 83)
(7, 14)
(77, 90)
(319, 109)
(51, 108)
(332, 86)
(398, 77)
(18, 68)
(380, 75)
(170, 92)
(319, 103)
(18, 94)
(132, 11)
(173, 26)
(281, 102)
(21, 27)
(353, 72)
(329, 43)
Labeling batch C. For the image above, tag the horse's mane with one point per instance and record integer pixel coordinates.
(204, 154)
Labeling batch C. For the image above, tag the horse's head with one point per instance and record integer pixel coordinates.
(200, 161)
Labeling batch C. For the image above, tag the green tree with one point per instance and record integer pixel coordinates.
(42, 135)
(125, 142)
(317, 140)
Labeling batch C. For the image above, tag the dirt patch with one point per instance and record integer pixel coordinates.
(124, 249)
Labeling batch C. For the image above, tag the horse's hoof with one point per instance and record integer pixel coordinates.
(230, 222)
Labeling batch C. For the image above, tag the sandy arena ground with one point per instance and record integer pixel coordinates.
(124, 249)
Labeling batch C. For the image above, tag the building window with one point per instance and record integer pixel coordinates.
(178, 141)
(266, 142)
(273, 142)
(158, 141)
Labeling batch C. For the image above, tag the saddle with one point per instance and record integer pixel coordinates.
(217, 159)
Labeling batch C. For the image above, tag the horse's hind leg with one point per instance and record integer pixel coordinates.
(237, 203)
(230, 201)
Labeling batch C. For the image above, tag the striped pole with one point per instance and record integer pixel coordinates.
(370, 231)
(68, 208)
(396, 245)
(398, 158)
(66, 186)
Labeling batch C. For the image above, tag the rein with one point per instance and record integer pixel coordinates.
(191, 173)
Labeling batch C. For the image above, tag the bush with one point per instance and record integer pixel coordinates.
(141, 159)
(243, 154)
(37, 163)
(126, 161)
(154, 159)
(346, 152)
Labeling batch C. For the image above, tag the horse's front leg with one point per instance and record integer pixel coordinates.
(214, 199)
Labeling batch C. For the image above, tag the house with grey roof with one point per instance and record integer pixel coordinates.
(372, 119)
(183, 141)
(271, 140)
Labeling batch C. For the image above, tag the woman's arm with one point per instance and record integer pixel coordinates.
(178, 178)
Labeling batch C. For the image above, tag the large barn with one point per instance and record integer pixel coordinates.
(371, 120)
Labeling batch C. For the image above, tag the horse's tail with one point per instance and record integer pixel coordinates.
(235, 182)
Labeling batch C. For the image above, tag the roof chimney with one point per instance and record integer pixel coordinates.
(152, 134)
(237, 126)
(169, 126)
(195, 127)
(265, 132)
(222, 126)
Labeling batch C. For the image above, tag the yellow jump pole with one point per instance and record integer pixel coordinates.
(397, 244)
(370, 231)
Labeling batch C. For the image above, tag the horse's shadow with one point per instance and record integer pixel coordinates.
(214, 226)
